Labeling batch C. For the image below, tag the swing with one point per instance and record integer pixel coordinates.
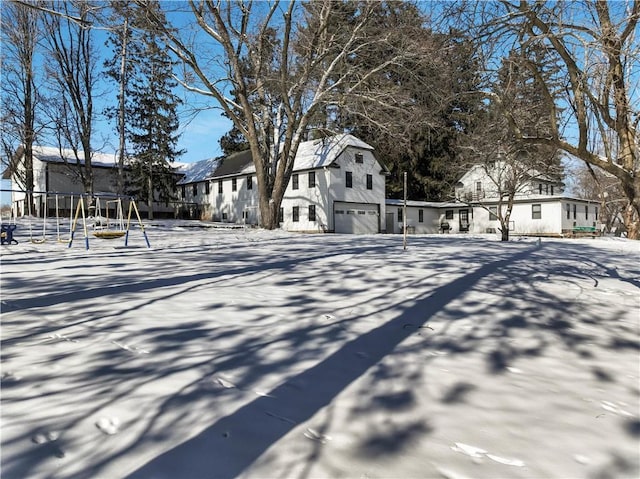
(101, 233)
(44, 222)
(80, 212)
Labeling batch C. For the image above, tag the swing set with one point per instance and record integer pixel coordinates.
(104, 227)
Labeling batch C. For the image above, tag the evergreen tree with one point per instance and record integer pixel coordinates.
(433, 91)
(153, 119)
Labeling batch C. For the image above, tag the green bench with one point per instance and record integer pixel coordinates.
(585, 231)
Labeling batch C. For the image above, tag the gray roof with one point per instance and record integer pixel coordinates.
(241, 162)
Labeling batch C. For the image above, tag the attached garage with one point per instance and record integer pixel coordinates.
(356, 218)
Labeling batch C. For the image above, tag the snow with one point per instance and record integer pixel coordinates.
(255, 354)
(199, 171)
(52, 154)
(323, 152)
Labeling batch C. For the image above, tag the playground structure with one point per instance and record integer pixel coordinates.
(102, 214)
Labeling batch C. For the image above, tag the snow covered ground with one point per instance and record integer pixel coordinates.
(254, 354)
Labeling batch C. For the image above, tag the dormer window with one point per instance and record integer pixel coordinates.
(359, 158)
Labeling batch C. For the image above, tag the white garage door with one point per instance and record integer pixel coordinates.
(356, 218)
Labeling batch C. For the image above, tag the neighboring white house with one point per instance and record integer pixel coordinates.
(540, 208)
(337, 185)
(541, 216)
(482, 182)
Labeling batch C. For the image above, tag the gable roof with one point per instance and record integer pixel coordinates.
(241, 162)
(198, 171)
(532, 173)
(310, 155)
(51, 154)
(319, 153)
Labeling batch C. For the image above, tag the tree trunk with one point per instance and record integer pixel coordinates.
(631, 216)
(150, 197)
(505, 233)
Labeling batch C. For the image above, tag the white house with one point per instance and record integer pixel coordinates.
(540, 208)
(482, 182)
(556, 215)
(337, 185)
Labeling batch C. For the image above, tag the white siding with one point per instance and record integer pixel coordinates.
(331, 187)
(229, 206)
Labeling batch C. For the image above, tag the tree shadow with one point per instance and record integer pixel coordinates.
(323, 350)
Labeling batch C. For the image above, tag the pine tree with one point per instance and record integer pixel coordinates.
(153, 122)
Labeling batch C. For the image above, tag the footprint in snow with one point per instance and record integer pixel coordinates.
(108, 425)
(49, 439)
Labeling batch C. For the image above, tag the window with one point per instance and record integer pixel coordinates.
(540, 188)
(195, 189)
(586, 212)
(294, 181)
(568, 211)
(220, 187)
(596, 213)
(296, 214)
(448, 214)
(249, 182)
(478, 186)
(575, 211)
(369, 182)
(184, 192)
(312, 179)
(551, 189)
(234, 184)
(420, 216)
(493, 213)
(312, 212)
(536, 212)
(348, 179)
(399, 214)
(206, 187)
(359, 158)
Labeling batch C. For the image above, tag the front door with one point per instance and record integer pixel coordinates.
(390, 222)
(464, 220)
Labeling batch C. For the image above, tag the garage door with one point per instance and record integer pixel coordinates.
(356, 218)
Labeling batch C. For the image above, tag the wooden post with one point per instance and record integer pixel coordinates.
(404, 215)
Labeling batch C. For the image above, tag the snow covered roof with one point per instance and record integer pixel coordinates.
(51, 154)
(319, 153)
(311, 154)
(199, 171)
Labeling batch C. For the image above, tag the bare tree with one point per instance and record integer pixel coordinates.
(495, 149)
(271, 67)
(20, 37)
(594, 92)
(597, 185)
(72, 70)
(508, 167)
